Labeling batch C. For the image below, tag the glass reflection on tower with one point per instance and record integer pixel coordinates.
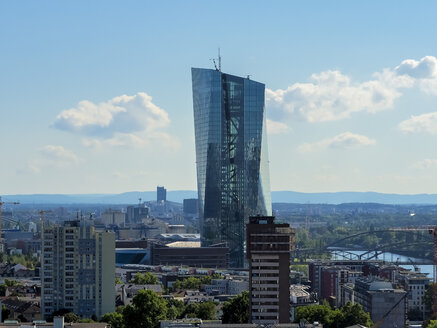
(231, 155)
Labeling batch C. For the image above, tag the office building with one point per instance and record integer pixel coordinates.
(231, 156)
(387, 306)
(78, 270)
(190, 206)
(416, 284)
(113, 217)
(181, 253)
(136, 213)
(355, 267)
(268, 251)
(161, 194)
(332, 278)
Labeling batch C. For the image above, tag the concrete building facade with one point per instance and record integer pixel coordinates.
(113, 217)
(268, 251)
(387, 306)
(78, 270)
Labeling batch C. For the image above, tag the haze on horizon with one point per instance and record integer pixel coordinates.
(96, 97)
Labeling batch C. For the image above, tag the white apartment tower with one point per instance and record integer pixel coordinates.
(77, 270)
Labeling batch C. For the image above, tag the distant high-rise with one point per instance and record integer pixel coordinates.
(190, 206)
(161, 194)
(231, 154)
(77, 270)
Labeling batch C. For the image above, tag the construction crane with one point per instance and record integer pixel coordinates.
(432, 230)
(1, 205)
(380, 321)
(41, 217)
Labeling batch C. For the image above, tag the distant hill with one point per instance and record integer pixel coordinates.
(179, 195)
(351, 197)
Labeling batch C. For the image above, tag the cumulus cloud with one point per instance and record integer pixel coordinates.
(425, 164)
(425, 68)
(50, 156)
(332, 95)
(120, 121)
(275, 127)
(346, 140)
(425, 123)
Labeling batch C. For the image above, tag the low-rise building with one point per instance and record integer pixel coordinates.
(207, 257)
(126, 292)
(226, 287)
(19, 310)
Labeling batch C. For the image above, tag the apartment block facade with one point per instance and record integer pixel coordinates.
(268, 251)
(77, 270)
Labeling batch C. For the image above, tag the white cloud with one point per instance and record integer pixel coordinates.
(58, 154)
(425, 68)
(50, 157)
(275, 127)
(346, 140)
(120, 121)
(425, 164)
(425, 123)
(332, 95)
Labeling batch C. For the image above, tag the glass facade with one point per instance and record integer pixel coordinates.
(231, 155)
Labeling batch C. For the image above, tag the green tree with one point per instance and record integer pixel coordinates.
(115, 319)
(236, 310)
(206, 280)
(118, 281)
(86, 320)
(71, 317)
(145, 279)
(175, 309)
(352, 314)
(188, 283)
(313, 313)
(146, 310)
(346, 316)
(191, 283)
(5, 312)
(432, 324)
(206, 310)
(428, 298)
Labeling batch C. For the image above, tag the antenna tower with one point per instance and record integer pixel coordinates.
(219, 60)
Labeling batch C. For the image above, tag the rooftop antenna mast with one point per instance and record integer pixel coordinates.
(219, 68)
(219, 60)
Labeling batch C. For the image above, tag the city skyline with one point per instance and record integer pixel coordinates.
(97, 99)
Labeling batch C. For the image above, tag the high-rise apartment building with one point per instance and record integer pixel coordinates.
(231, 155)
(77, 270)
(268, 251)
(161, 194)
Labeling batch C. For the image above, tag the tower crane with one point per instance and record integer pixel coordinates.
(1, 205)
(432, 230)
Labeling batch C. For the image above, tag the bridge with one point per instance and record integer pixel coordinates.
(358, 253)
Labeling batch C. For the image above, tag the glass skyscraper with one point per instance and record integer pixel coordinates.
(231, 154)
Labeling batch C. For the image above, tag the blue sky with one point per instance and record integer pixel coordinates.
(96, 95)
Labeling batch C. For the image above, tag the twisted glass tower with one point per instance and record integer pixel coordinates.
(231, 154)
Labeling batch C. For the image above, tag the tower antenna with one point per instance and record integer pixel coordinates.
(219, 60)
